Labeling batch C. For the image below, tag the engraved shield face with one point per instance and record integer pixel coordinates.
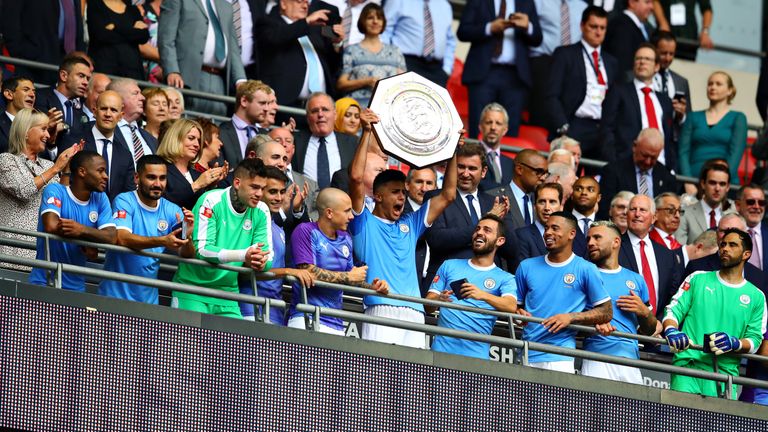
(419, 123)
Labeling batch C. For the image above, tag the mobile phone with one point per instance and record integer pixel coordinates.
(679, 96)
(183, 226)
(456, 287)
(327, 31)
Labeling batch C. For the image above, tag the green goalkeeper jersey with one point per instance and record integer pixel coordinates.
(222, 235)
(705, 304)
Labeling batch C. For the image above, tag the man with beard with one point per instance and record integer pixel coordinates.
(722, 311)
(546, 200)
(560, 285)
(232, 226)
(81, 211)
(584, 199)
(630, 307)
(484, 286)
(145, 221)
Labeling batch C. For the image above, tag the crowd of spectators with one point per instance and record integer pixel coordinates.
(316, 197)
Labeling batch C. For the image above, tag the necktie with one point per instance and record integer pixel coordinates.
(250, 131)
(586, 222)
(68, 112)
(323, 166)
(494, 167)
(650, 110)
(596, 60)
(642, 187)
(664, 77)
(68, 8)
(237, 22)
(105, 155)
(526, 211)
(138, 148)
(647, 275)
(565, 23)
(472, 211)
(755, 258)
(498, 45)
(218, 35)
(429, 33)
(346, 22)
(712, 221)
(673, 243)
(313, 65)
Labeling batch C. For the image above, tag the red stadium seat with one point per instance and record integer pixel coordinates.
(747, 164)
(535, 134)
(458, 91)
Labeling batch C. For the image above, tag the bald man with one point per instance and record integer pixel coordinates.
(96, 86)
(530, 171)
(640, 173)
(102, 139)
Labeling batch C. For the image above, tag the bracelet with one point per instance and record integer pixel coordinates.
(705, 30)
(45, 183)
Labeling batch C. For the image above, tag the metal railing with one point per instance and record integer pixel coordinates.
(316, 312)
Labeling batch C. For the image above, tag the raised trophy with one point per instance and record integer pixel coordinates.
(418, 122)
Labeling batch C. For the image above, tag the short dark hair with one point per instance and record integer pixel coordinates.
(591, 11)
(150, 159)
(656, 56)
(13, 83)
(567, 216)
(740, 193)
(713, 167)
(746, 241)
(663, 35)
(69, 63)
(542, 186)
(273, 172)
(473, 149)
(501, 227)
(386, 176)
(249, 168)
(81, 158)
(375, 8)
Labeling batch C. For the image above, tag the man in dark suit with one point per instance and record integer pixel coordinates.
(252, 107)
(660, 267)
(626, 32)
(417, 183)
(530, 170)
(670, 82)
(750, 203)
(583, 206)
(761, 99)
(497, 66)
(320, 152)
(110, 145)
(74, 74)
(643, 166)
(139, 141)
(250, 14)
(295, 58)
(494, 123)
(630, 107)
(530, 239)
(450, 236)
(18, 93)
(190, 59)
(31, 31)
(576, 91)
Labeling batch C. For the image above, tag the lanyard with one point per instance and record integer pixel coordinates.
(591, 62)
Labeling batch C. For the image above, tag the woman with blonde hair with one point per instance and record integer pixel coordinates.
(180, 147)
(347, 116)
(23, 175)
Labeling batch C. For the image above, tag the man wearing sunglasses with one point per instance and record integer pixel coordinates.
(750, 203)
(530, 171)
(668, 214)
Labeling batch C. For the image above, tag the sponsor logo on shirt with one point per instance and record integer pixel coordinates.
(206, 212)
(120, 214)
(436, 279)
(711, 291)
(162, 225)
(686, 286)
(55, 201)
(569, 278)
(404, 228)
(345, 251)
(247, 225)
(93, 216)
(744, 299)
(489, 283)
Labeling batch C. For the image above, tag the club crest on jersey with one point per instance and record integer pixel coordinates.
(55, 201)
(345, 251)
(93, 216)
(569, 278)
(489, 283)
(631, 285)
(744, 299)
(206, 212)
(404, 228)
(247, 225)
(162, 225)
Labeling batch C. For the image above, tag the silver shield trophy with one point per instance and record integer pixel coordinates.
(418, 122)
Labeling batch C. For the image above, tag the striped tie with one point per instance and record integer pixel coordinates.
(643, 186)
(346, 22)
(429, 32)
(565, 23)
(138, 148)
(237, 22)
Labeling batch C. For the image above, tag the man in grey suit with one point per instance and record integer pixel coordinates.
(706, 213)
(670, 82)
(530, 171)
(189, 59)
(320, 152)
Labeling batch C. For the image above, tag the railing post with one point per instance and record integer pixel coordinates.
(525, 353)
(316, 319)
(266, 315)
(254, 285)
(304, 300)
(511, 326)
(729, 388)
(57, 283)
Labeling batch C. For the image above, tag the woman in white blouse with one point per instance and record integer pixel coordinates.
(23, 175)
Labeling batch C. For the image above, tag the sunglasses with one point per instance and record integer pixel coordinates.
(752, 201)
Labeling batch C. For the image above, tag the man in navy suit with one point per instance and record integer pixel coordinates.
(139, 141)
(74, 74)
(630, 107)
(750, 203)
(497, 66)
(102, 139)
(660, 267)
(494, 123)
(547, 199)
(626, 32)
(628, 173)
(18, 93)
(450, 236)
(579, 79)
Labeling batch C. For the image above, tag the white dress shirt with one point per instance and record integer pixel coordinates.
(518, 194)
(98, 137)
(580, 217)
(310, 158)
(475, 203)
(706, 208)
(649, 253)
(125, 129)
(592, 105)
(209, 50)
